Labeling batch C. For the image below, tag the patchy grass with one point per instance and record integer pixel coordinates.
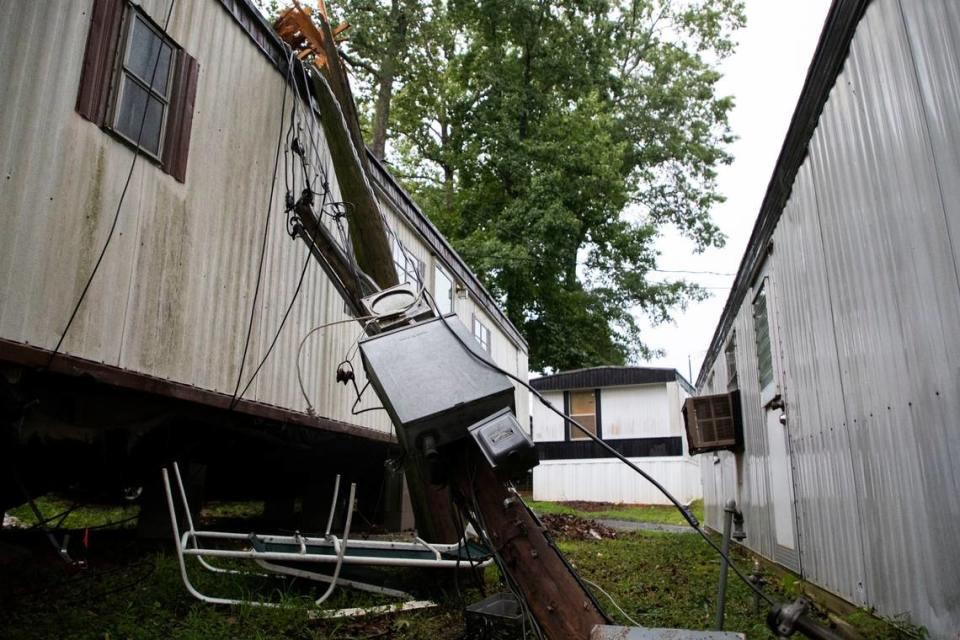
(657, 514)
(80, 516)
(122, 597)
(232, 509)
(659, 579)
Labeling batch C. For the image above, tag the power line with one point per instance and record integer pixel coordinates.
(116, 215)
(693, 272)
(266, 229)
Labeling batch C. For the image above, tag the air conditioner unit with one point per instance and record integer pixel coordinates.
(713, 422)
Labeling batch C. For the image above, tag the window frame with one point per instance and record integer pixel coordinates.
(572, 433)
(438, 268)
(488, 346)
(123, 71)
(730, 358)
(106, 50)
(402, 258)
(769, 390)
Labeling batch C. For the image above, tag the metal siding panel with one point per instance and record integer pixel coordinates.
(829, 539)
(897, 316)
(172, 298)
(612, 481)
(635, 412)
(868, 299)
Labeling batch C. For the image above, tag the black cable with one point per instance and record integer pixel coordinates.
(276, 335)
(116, 215)
(512, 586)
(687, 515)
(266, 229)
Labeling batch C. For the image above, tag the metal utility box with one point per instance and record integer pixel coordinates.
(429, 384)
(508, 450)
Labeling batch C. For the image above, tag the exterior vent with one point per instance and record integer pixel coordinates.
(713, 422)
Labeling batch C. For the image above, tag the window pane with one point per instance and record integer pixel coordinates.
(761, 326)
(130, 114)
(590, 422)
(583, 402)
(443, 291)
(143, 55)
(731, 357)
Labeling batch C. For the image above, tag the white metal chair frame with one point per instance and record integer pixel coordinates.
(189, 544)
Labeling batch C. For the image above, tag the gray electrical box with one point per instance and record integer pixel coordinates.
(508, 450)
(429, 384)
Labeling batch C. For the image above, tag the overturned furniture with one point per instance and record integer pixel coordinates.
(276, 553)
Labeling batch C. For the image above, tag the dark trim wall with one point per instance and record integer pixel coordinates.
(599, 377)
(630, 447)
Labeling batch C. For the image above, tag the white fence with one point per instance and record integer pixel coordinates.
(609, 480)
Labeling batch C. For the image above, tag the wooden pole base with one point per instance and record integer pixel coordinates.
(557, 600)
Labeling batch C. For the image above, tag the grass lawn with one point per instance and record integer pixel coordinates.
(657, 514)
(135, 592)
(77, 516)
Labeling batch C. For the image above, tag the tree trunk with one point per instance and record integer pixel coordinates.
(388, 70)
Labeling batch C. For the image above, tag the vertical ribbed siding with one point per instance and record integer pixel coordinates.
(173, 296)
(864, 272)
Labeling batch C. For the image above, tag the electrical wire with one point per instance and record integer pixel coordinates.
(303, 341)
(614, 602)
(116, 215)
(276, 335)
(266, 229)
(685, 512)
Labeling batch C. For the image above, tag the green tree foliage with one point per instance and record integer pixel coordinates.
(552, 141)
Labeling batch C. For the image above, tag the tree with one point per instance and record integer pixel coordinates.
(552, 140)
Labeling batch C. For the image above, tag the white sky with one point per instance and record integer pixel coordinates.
(765, 76)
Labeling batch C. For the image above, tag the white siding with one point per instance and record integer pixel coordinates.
(173, 295)
(641, 411)
(867, 298)
(609, 480)
(547, 425)
(636, 411)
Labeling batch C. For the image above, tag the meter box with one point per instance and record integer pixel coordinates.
(428, 383)
(507, 448)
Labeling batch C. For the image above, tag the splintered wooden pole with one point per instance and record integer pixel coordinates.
(558, 602)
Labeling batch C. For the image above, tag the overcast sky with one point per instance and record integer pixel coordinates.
(765, 76)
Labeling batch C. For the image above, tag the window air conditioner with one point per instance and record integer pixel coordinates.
(713, 422)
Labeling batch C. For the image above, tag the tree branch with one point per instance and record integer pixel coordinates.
(354, 62)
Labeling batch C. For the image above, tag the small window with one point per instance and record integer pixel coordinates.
(143, 86)
(583, 409)
(761, 325)
(730, 354)
(443, 290)
(481, 333)
(410, 268)
(133, 74)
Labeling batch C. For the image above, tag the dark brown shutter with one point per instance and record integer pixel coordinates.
(98, 59)
(176, 143)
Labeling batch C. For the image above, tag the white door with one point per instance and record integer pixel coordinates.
(779, 467)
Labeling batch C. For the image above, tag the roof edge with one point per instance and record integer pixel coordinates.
(838, 32)
(252, 22)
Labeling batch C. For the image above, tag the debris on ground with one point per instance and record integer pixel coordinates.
(10, 522)
(570, 527)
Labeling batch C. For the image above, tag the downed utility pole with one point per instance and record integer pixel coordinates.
(337, 114)
(540, 576)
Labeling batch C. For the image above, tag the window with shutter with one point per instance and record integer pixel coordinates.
(138, 84)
